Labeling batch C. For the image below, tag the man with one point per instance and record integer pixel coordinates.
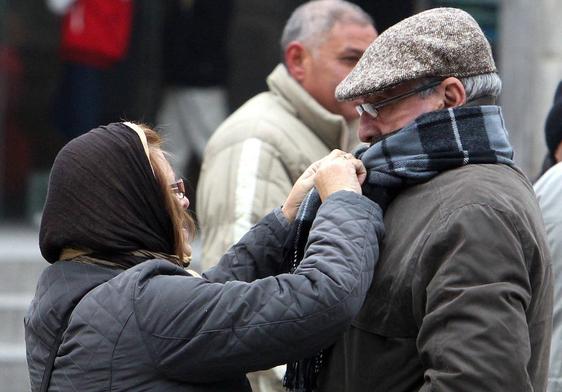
(461, 298)
(549, 193)
(255, 156)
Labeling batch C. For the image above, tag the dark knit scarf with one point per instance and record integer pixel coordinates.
(434, 143)
(103, 198)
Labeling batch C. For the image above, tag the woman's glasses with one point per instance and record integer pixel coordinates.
(178, 188)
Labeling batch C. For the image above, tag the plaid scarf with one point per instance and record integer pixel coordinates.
(436, 142)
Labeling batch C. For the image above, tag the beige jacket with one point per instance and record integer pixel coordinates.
(255, 156)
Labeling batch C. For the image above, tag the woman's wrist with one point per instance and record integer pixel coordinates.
(289, 213)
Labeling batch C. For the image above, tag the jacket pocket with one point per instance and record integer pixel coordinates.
(388, 312)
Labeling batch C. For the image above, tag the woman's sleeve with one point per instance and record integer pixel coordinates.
(258, 254)
(200, 331)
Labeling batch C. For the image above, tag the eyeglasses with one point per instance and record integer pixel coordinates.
(374, 109)
(178, 188)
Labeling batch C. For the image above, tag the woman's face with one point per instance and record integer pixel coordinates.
(181, 198)
(171, 179)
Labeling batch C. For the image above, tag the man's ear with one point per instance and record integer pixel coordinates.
(454, 94)
(295, 58)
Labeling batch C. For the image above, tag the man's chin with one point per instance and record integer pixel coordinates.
(377, 139)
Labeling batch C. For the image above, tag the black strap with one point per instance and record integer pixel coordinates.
(52, 355)
(47, 373)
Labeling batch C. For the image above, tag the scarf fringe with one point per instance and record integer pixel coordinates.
(302, 375)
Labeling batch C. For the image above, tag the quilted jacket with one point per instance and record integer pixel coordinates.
(253, 159)
(154, 327)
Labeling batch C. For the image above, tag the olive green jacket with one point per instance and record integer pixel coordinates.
(461, 299)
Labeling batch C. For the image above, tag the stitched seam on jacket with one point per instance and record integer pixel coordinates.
(143, 332)
(245, 188)
(370, 211)
(113, 351)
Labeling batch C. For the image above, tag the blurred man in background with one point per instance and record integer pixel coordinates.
(255, 156)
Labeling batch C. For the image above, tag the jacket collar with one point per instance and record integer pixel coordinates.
(331, 128)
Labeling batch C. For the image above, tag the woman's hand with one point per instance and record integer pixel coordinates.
(307, 180)
(342, 173)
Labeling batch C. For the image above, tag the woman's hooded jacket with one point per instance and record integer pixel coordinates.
(139, 323)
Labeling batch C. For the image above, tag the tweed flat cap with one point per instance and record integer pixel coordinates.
(440, 42)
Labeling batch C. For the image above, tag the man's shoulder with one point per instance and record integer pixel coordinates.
(496, 186)
(501, 188)
(549, 192)
(264, 108)
(472, 179)
(551, 181)
(265, 117)
(484, 182)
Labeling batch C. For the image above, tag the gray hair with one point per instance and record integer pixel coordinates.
(311, 22)
(483, 85)
(477, 86)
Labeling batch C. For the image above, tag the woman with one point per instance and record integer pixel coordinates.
(117, 310)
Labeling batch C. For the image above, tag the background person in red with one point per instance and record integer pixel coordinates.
(95, 35)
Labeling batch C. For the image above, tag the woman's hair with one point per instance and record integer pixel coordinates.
(180, 218)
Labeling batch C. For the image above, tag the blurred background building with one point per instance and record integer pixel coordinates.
(526, 39)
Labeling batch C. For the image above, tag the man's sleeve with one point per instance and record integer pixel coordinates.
(473, 333)
(238, 186)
